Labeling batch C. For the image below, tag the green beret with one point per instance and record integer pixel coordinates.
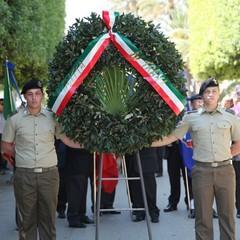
(32, 84)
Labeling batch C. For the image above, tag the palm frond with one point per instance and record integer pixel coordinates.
(114, 90)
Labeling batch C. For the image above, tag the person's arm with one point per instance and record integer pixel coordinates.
(69, 142)
(9, 148)
(165, 141)
(235, 148)
(66, 140)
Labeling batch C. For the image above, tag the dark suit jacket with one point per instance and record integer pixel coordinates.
(148, 158)
(78, 161)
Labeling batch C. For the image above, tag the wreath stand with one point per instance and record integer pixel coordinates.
(97, 199)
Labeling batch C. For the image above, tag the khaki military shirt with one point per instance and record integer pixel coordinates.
(33, 136)
(212, 133)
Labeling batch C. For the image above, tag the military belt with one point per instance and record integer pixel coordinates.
(214, 164)
(36, 170)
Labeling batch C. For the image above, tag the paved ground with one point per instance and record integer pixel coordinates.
(173, 226)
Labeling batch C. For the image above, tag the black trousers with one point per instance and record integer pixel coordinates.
(136, 191)
(107, 199)
(77, 185)
(62, 193)
(160, 156)
(175, 170)
(236, 165)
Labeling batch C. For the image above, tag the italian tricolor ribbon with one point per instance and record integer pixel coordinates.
(149, 71)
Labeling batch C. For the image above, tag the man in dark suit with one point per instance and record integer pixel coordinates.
(148, 158)
(175, 170)
(79, 168)
(62, 193)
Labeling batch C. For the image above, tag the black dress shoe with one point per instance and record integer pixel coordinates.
(139, 217)
(114, 212)
(170, 208)
(87, 220)
(192, 213)
(238, 214)
(78, 225)
(155, 219)
(215, 215)
(134, 212)
(61, 214)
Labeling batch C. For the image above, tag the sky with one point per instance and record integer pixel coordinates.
(83, 8)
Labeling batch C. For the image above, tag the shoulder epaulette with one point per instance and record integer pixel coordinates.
(48, 109)
(230, 111)
(193, 111)
(13, 113)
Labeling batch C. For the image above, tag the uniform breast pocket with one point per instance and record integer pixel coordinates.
(49, 132)
(197, 128)
(224, 128)
(21, 136)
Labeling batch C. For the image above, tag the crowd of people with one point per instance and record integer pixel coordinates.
(53, 173)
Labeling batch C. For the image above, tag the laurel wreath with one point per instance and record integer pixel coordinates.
(146, 117)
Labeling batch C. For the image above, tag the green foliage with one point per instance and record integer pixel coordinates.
(29, 32)
(215, 38)
(115, 91)
(86, 118)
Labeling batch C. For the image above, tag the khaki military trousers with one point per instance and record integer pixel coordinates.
(209, 182)
(36, 201)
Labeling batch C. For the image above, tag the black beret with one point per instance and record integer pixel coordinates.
(32, 84)
(194, 97)
(211, 82)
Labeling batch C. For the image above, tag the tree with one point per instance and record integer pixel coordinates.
(29, 32)
(215, 38)
(175, 26)
(150, 10)
(125, 6)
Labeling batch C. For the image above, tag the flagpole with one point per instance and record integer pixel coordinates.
(187, 188)
(8, 79)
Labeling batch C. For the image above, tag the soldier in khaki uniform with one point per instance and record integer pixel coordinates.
(212, 130)
(28, 136)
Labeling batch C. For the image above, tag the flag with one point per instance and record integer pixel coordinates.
(8, 158)
(10, 84)
(109, 170)
(186, 150)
